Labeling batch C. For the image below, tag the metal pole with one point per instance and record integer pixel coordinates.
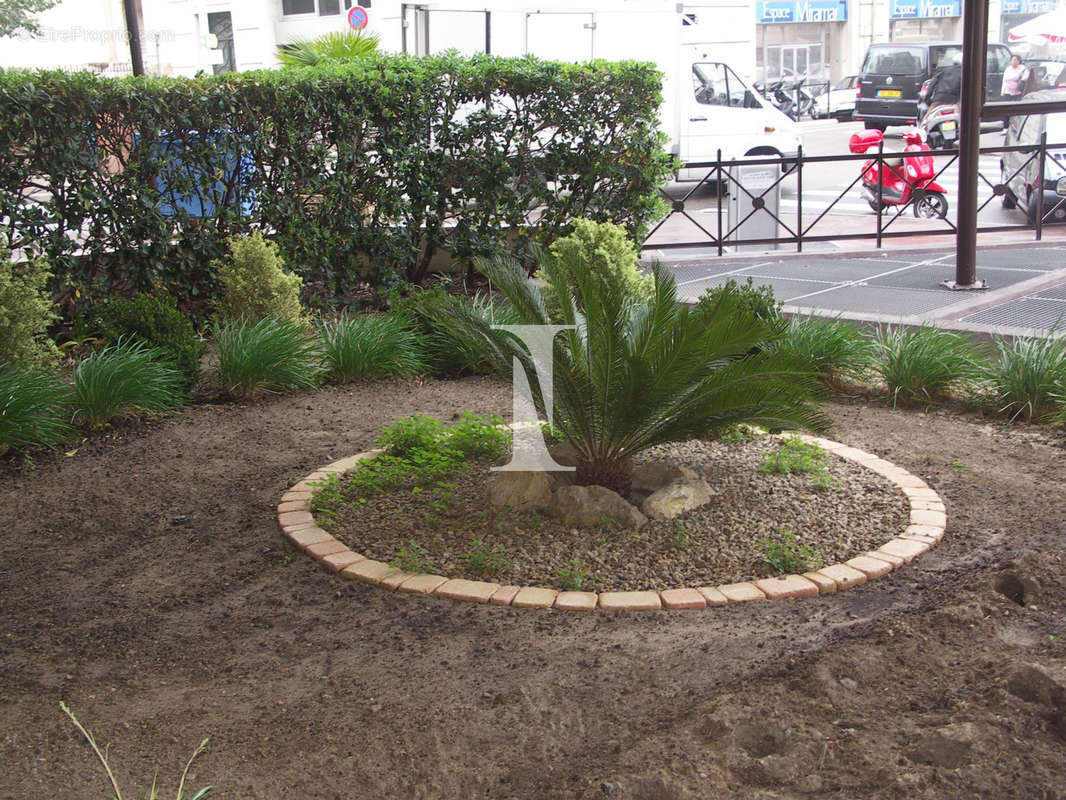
(488, 32)
(133, 30)
(972, 97)
(880, 189)
(1040, 189)
(403, 27)
(799, 199)
(718, 198)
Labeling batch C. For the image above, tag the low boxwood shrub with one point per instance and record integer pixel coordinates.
(158, 321)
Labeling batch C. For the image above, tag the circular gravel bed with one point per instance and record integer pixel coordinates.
(722, 542)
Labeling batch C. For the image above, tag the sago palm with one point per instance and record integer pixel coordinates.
(330, 47)
(634, 374)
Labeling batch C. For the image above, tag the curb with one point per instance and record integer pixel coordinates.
(927, 523)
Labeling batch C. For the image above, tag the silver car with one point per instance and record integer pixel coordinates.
(1020, 171)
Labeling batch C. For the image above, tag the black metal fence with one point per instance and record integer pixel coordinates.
(798, 228)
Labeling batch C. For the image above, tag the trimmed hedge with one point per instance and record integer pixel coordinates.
(359, 172)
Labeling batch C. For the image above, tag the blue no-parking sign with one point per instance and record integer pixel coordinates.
(358, 18)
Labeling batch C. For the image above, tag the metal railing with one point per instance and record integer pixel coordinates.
(798, 229)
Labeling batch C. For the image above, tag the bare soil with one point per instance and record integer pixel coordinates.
(157, 634)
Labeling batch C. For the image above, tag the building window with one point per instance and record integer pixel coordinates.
(297, 7)
(327, 8)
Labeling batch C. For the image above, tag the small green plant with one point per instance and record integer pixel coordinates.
(26, 311)
(476, 437)
(34, 409)
(414, 558)
(406, 435)
(367, 346)
(254, 284)
(487, 560)
(919, 365)
(1025, 376)
(752, 300)
(605, 249)
(958, 463)
(787, 554)
(738, 434)
(153, 791)
(823, 481)
(158, 321)
(270, 355)
(124, 379)
(837, 352)
(433, 521)
(573, 576)
(680, 540)
(795, 456)
(328, 497)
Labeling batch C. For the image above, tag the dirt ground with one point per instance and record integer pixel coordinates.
(942, 680)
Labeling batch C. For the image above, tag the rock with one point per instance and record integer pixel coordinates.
(519, 490)
(655, 475)
(1034, 684)
(586, 506)
(941, 750)
(850, 684)
(677, 498)
(564, 453)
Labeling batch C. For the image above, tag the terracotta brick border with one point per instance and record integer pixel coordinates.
(928, 521)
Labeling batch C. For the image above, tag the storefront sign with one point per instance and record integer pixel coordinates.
(1026, 6)
(910, 9)
(801, 11)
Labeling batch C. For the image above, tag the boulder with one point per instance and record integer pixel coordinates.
(587, 506)
(654, 475)
(519, 490)
(677, 498)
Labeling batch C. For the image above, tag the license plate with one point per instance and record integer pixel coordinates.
(948, 126)
(889, 93)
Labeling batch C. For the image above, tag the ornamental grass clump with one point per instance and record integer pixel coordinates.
(34, 409)
(1026, 377)
(919, 365)
(456, 350)
(633, 373)
(369, 346)
(270, 355)
(124, 379)
(838, 352)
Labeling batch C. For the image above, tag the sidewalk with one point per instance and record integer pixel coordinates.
(900, 283)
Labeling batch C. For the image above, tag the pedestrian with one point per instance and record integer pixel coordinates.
(1014, 79)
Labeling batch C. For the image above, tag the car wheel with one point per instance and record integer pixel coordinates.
(1032, 208)
(930, 205)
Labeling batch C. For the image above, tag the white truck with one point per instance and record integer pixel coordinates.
(702, 51)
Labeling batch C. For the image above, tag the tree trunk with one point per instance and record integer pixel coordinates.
(615, 474)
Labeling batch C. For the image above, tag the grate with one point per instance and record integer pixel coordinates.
(891, 302)
(1054, 293)
(1027, 312)
(823, 270)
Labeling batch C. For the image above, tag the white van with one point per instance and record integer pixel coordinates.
(1020, 171)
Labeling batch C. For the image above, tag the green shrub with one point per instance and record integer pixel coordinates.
(757, 301)
(573, 577)
(124, 379)
(34, 409)
(919, 365)
(414, 558)
(834, 350)
(366, 346)
(602, 249)
(475, 437)
(254, 284)
(412, 433)
(795, 456)
(270, 355)
(1025, 376)
(26, 311)
(158, 321)
(787, 555)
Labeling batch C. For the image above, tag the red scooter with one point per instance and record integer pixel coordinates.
(904, 179)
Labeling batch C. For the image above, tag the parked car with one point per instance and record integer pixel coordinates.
(892, 75)
(1020, 171)
(839, 102)
(1045, 73)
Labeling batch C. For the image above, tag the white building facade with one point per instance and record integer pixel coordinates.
(762, 39)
